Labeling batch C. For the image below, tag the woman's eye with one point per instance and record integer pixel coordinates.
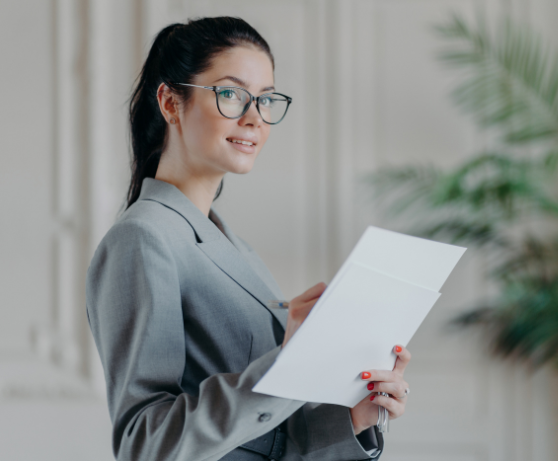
(265, 102)
(228, 94)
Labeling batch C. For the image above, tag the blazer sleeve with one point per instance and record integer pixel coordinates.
(135, 314)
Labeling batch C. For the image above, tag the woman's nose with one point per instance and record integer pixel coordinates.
(252, 116)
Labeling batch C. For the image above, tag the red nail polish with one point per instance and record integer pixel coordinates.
(398, 348)
(372, 398)
(370, 386)
(366, 375)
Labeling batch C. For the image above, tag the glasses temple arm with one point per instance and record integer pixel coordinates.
(197, 86)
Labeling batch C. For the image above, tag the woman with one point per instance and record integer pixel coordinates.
(176, 301)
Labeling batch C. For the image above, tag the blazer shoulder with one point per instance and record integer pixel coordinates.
(137, 236)
(156, 217)
(147, 219)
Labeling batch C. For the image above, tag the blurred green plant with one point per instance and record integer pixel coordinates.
(504, 201)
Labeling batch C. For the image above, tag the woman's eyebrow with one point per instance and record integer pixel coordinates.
(242, 83)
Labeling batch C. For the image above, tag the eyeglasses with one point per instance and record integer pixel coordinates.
(233, 102)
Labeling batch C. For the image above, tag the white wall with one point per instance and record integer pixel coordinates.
(366, 91)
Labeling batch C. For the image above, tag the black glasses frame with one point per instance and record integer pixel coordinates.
(215, 89)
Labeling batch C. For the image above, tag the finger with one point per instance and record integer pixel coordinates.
(312, 293)
(396, 408)
(403, 358)
(396, 389)
(380, 375)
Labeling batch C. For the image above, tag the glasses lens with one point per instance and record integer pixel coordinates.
(232, 101)
(273, 107)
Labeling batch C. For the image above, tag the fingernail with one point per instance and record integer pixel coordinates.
(366, 375)
(398, 348)
(372, 398)
(370, 386)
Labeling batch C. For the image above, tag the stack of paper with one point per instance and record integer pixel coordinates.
(378, 299)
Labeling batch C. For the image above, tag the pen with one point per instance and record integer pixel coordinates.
(383, 417)
(277, 304)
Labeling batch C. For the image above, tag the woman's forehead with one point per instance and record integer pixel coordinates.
(249, 67)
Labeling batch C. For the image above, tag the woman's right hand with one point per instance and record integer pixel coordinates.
(300, 307)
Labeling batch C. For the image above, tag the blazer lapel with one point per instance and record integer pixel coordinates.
(230, 261)
(249, 255)
(211, 240)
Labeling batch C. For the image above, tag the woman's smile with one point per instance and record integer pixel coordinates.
(243, 144)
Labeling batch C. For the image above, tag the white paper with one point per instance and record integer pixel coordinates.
(412, 259)
(378, 299)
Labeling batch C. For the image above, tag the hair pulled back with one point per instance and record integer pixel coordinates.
(178, 54)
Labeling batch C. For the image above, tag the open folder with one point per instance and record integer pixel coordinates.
(378, 299)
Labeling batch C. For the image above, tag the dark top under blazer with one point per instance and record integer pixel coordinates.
(177, 306)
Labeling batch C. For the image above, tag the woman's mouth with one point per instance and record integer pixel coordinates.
(243, 145)
(241, 141)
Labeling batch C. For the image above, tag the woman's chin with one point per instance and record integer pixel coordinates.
(243, 170)
(241, 167)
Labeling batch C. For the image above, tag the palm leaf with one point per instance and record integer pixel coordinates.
(490, 184)
(514, 80)
(523, 323)
(463, 231)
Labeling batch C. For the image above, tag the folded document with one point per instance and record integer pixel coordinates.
(378, 299)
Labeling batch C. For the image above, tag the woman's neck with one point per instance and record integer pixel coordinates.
(199, 188)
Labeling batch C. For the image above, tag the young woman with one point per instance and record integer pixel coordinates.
(177, 302)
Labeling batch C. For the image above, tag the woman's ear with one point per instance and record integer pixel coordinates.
(167, 103)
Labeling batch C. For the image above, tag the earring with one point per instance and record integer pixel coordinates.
(172, 120)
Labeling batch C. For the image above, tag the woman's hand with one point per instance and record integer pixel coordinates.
(300, 307)
(365, 413)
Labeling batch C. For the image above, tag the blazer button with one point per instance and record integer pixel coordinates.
(264, 417)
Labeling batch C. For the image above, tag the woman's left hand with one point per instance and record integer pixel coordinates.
(365, 413)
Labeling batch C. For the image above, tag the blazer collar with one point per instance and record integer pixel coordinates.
(170, 196)
(222, 247)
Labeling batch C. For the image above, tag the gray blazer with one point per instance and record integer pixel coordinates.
(177, 306)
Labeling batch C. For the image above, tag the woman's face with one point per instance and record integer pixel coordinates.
(206, 135)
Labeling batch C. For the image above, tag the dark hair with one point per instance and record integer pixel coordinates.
(178, 54)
